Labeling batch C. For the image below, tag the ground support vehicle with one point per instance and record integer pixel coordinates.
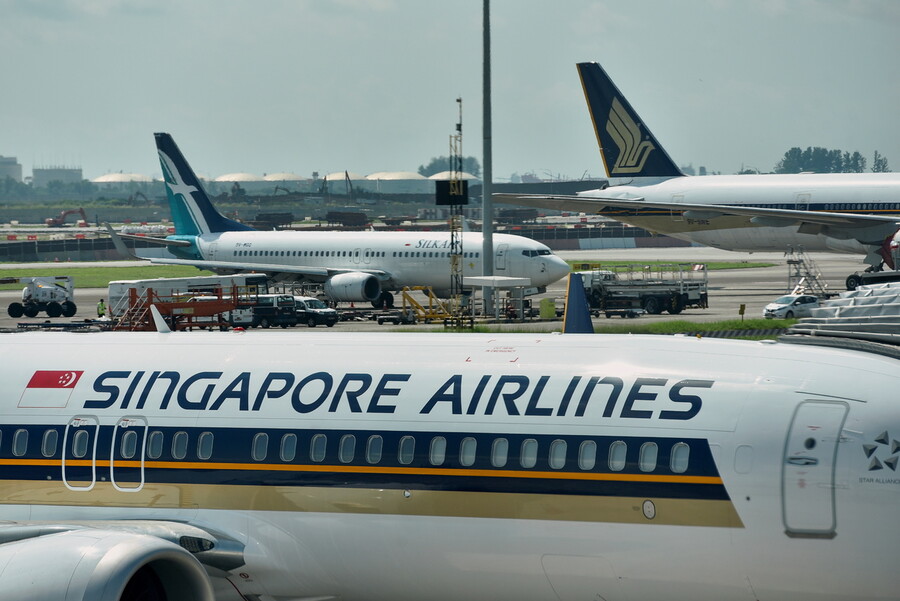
(275, 310)
(314, 312)
(629, 290)
(52, 294)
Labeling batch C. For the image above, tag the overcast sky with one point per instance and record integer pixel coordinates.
(266, 86)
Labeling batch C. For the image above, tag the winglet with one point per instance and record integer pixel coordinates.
(159, 321)
(577, 316)
(626, 144)
(117, 242)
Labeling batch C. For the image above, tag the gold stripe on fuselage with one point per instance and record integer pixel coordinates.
(411, 502)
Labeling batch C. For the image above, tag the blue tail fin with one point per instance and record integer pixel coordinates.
(577, 318)
(626, 145)
(192, 211)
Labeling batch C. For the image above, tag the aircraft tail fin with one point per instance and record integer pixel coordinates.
(626, 144)
(192, 211)
(577, 317)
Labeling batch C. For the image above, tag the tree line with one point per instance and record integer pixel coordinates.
(816, 159)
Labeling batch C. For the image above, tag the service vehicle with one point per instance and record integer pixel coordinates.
(790, 306)
(314, 312)
(121, 296)
(52, 294)
(274, 310)
(239, 317)
(629, 290)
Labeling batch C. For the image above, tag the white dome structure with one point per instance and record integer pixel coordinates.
(239, 177)
(447, 174)
(396, 175)
(341, 175)
(284, 177)
(121, 178)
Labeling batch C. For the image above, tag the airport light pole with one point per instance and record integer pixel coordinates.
(487, 203)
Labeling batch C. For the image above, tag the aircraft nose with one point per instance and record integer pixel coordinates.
(556, 268)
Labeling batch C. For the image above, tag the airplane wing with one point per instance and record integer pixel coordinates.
(278, 272)
(814, 221)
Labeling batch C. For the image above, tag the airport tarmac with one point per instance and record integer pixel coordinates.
(728, 289)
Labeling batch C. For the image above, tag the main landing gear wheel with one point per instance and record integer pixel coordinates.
(853, 281)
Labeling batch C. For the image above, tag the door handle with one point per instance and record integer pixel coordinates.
(803, 461)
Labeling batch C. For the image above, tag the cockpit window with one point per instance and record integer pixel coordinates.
(536, 253)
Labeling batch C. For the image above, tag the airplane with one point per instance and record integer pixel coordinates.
(857, 213)
(353, 266)
(235, 466)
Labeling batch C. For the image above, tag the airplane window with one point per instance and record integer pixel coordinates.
(79, 444)
(128, 447)
(467, 451)
(288, 447)
(407, 450)
(48, 446)
(587, 455)
(373, 449)
(317, 447)
(558, 454)
(179, 445)
(205, 445)
(647, 458)
(20, 442)
(617, 455)
(155, 445)
(528, 456)
(499, 452)
(259, 448)
(347, 448)
(438, 451)
(679, 460)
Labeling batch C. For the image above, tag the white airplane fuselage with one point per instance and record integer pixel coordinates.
(861, 194)
(410, 258)
(526, 467)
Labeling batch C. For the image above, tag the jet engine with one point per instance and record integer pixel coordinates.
(101, 565)
(353, 286)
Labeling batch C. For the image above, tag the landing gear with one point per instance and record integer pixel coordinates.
(853, 281)
(385, 301)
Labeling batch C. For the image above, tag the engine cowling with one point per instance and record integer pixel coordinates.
(353, 286)
(101, 565)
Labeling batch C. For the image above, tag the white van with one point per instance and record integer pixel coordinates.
(313, 312)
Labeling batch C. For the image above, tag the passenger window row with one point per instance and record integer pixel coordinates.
(372, 449)
(308, 253)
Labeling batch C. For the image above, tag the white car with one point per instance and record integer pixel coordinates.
(791, 306)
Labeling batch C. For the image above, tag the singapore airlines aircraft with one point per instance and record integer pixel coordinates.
(845, 212)
(354, 266)
(273, 467)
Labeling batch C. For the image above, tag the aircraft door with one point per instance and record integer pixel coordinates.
(801, 201)
(367, 254)
(500, 257)
(79, 456)
(127, 453)
(212, 251)
(357, 252)
(808, 471)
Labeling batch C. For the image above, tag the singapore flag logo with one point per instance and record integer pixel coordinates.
(49, 389)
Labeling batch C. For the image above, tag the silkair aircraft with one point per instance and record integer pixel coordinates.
(835, 212)
(289, 466)
(354, 266)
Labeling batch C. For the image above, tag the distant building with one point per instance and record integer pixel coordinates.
(10, 167)
(41, 176)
